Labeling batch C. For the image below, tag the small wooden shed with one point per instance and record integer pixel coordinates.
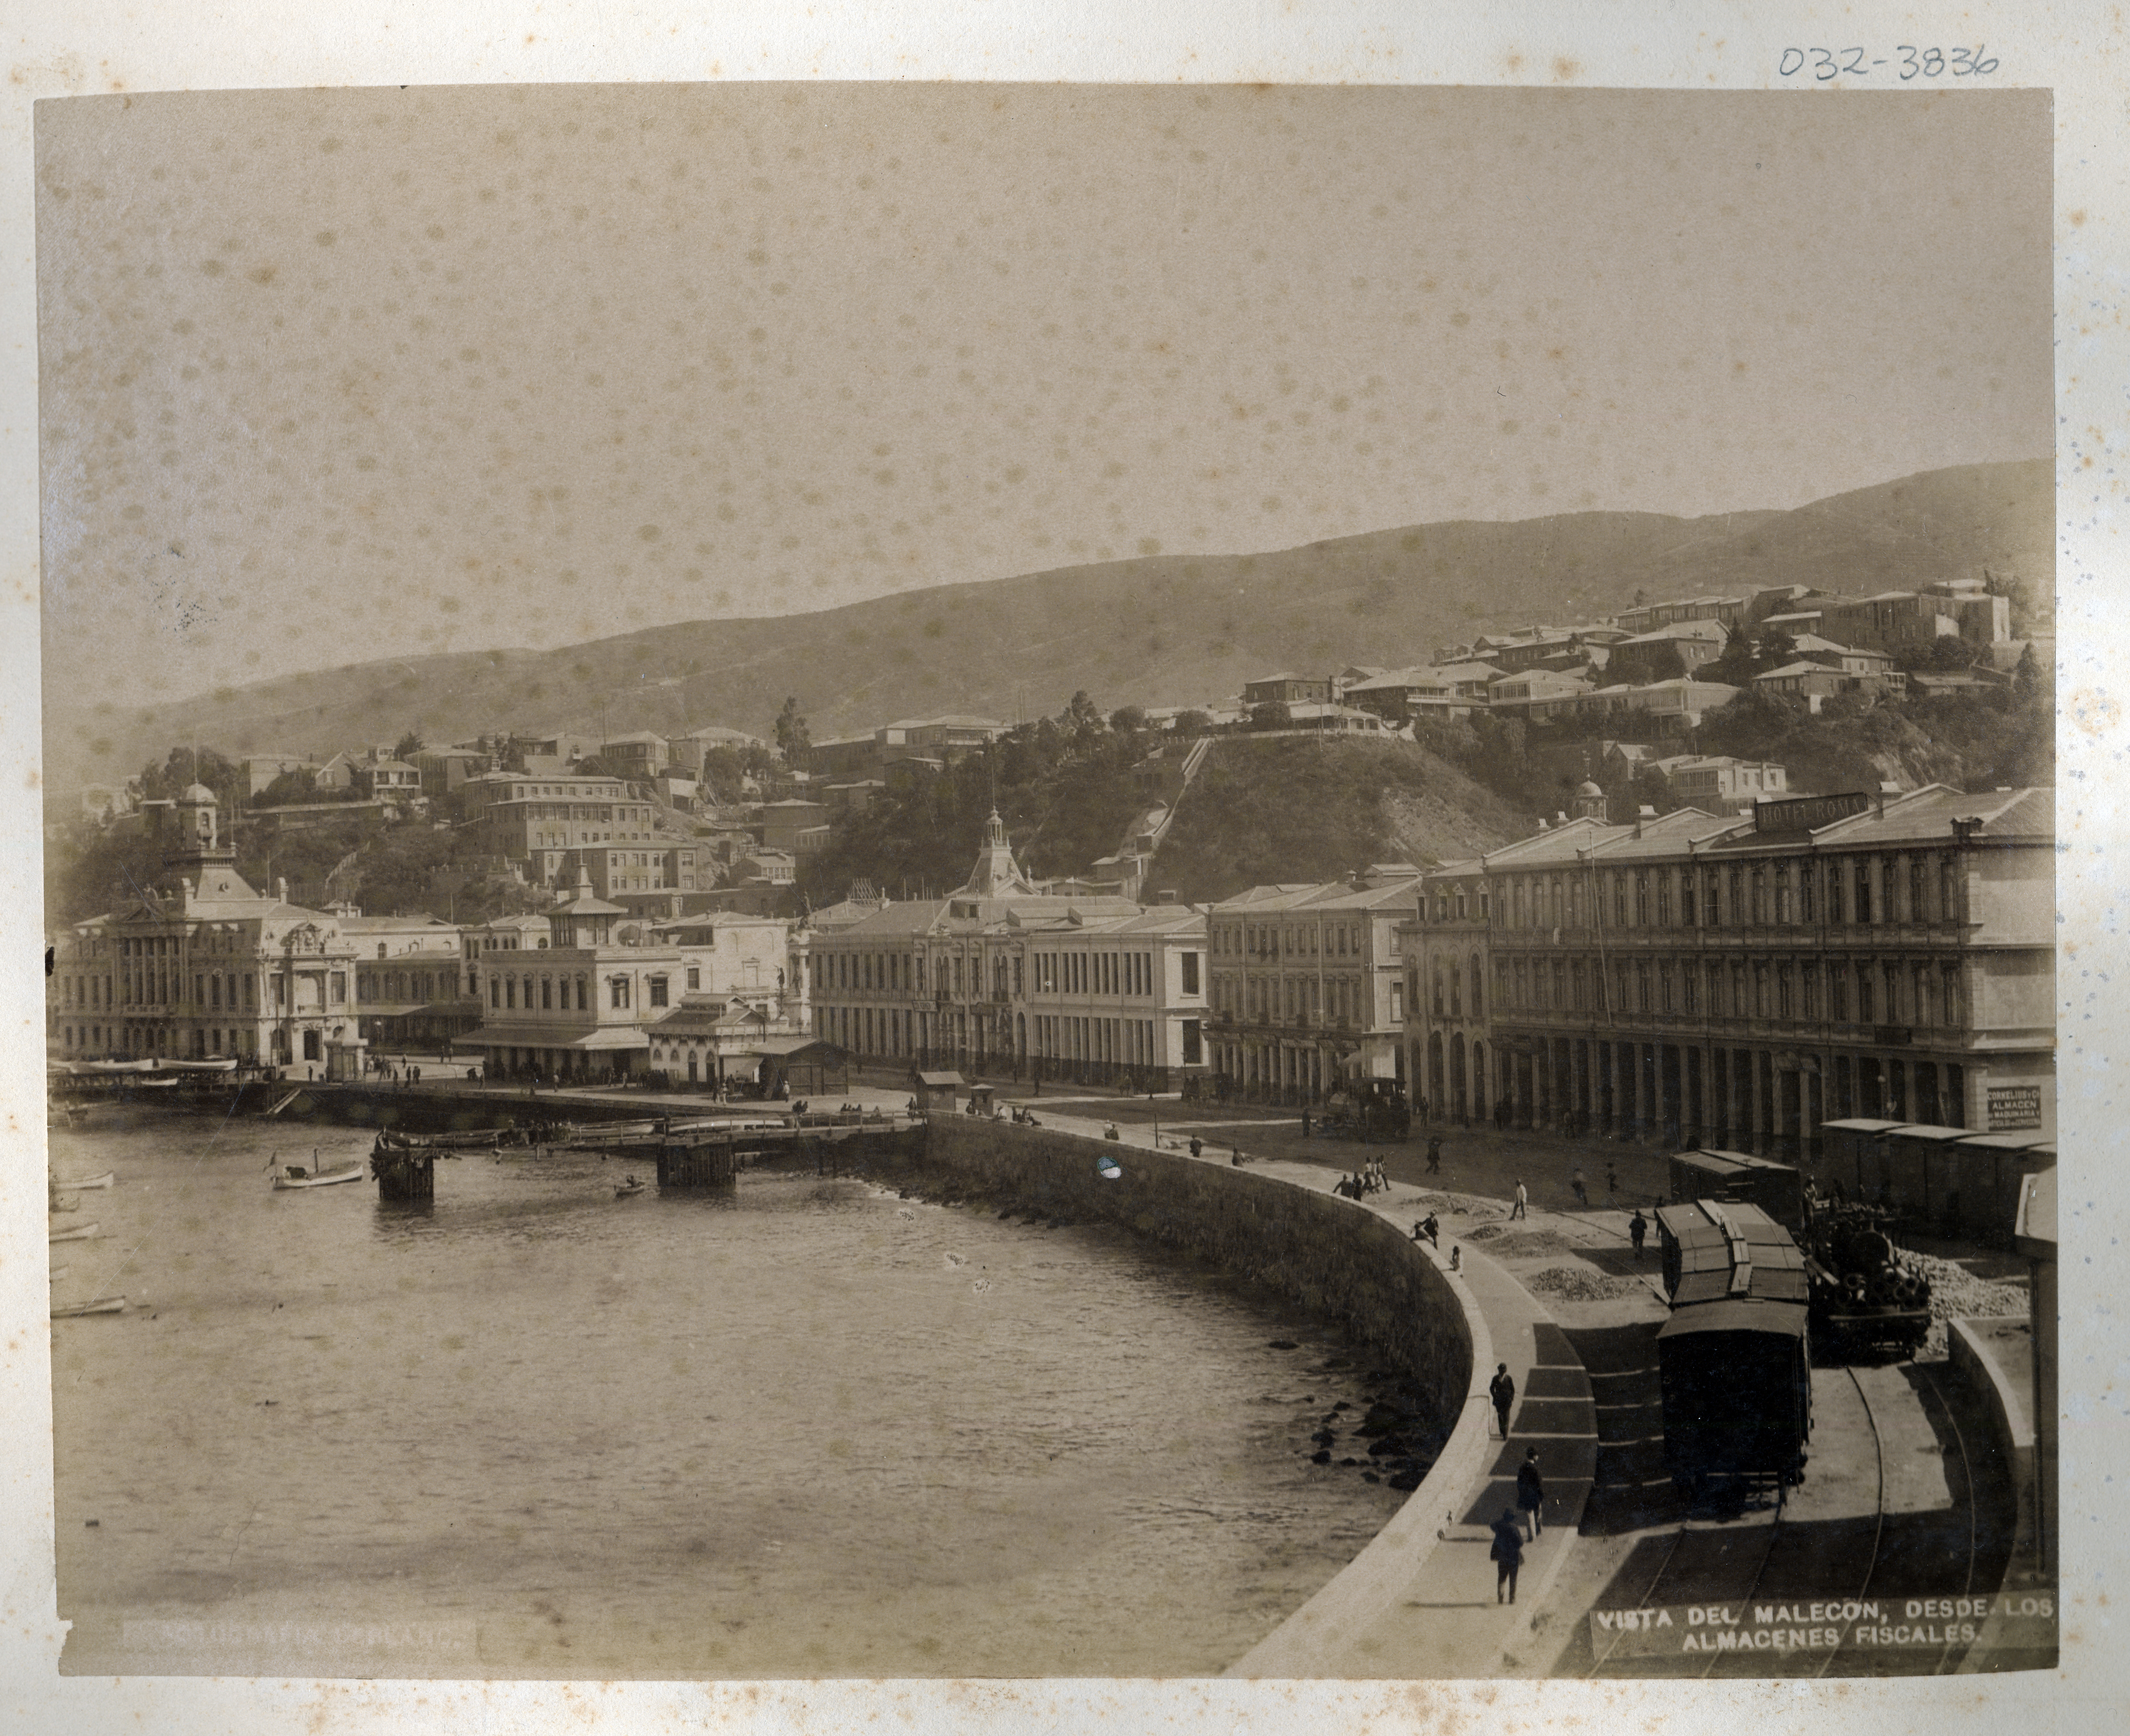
(935, 1092)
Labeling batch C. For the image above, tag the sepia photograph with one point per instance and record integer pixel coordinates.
(859, 880)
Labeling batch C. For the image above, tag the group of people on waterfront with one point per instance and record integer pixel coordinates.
(1369, 1179)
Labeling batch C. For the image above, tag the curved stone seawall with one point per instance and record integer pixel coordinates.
(1326, 1253)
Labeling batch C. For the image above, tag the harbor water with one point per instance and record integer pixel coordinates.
(803, 1428)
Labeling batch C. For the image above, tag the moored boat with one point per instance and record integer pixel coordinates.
(75, 1232)
(295, 1175)
(84, 1185)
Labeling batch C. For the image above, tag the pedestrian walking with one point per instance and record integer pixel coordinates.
(1435, 1155)
(1531, 1493)
(1638, 1227)
(1197, 1145)
(1507, 1555)
(1456, 1258)
(1612, 1178)
(1502, 1391)
(1521, 1209)
(1576, 1187)
(1432, 1229)
(1304, 1123)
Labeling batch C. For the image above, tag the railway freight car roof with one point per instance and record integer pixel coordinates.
(1731, 1252)
(1786, 1318)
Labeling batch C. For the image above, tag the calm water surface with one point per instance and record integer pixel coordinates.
(805, 1429)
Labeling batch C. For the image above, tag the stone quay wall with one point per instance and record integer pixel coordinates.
(1329, 1254)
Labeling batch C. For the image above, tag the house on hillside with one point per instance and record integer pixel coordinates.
(1678, 647)
(640, 753)
(1537, 695)
(1288, 688)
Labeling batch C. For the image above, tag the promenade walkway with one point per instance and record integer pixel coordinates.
(1419, 1600)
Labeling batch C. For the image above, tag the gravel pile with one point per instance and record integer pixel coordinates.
(1579, 1284)
(1956, 1292)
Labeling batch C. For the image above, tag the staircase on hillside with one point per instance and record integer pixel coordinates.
(1166, 778)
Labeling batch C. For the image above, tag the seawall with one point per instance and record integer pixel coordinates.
(1326, 1253)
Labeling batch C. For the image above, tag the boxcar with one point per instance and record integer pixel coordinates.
(1734, 1366)
(1737, 1178)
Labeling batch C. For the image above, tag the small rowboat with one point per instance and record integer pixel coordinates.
(628, 1187)
(101, 1306)
(291, 1175)
(78, 1232)
(83, 1186)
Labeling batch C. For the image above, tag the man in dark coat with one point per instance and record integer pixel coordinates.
(1502, 1391)
(1638, 1227)
(1531, 1493)
(1507, 1555)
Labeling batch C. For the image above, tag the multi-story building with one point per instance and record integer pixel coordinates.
(1288, 688)
(640, 753)
(1309, 985)
(1004, 975)
(408, 985)
(1707, 981)
(200, 966)
(661, 865)
(537, 820)
(583, 1004)
(1723, 783)
(1644, 616)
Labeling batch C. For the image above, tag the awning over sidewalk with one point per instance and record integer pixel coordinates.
(549, 1037)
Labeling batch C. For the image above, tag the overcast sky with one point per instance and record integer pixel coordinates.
(333, 376)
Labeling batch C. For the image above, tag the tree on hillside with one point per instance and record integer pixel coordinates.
(1737, 665)
(1081, 717)
(408, 746)
(1776, 648)
(1273, 714)
(1950, 655)
(2026, 676)
(186, 766)
(1128, 720)
(299, 785)
(724, 771)
(1193, 723)
(793, 738)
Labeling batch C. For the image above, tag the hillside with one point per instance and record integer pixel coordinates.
(1290, 808)
(1165, 629)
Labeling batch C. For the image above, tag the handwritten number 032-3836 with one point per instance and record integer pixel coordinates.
(1824, 64)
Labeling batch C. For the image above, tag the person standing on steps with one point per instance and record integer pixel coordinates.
(1502, 1391)
(1507, 1555)
(1521, 1209)
(1531, 1493)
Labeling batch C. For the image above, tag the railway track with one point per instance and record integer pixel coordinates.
(1898, 1551)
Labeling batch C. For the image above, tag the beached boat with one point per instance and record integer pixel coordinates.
(101, 1306)
(70, 1185)
(74, 1233)
(292, 1174)
(628, 1187)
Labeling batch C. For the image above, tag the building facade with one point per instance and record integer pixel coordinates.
(1309, 985)
(1706, 981)
(536, 820)
(1003, 976)
(201, 966)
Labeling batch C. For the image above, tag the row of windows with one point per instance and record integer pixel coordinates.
(1339, 1000)
(150, 985)
(1069, 973)
(1914, 886)
(1293, 939)
(554, 992)
(1889, 991)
